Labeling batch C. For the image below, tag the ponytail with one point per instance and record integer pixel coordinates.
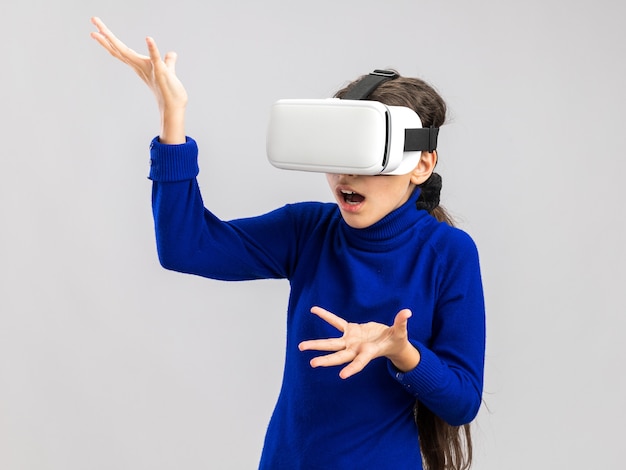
(444, 447)
(428, 200)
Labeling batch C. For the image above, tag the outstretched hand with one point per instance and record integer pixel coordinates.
(363, 342)
(159, 74)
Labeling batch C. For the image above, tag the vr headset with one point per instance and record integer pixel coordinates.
(350, 135)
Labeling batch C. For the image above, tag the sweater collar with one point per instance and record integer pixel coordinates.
(390, 230)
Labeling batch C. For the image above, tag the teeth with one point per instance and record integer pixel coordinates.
(343, 191)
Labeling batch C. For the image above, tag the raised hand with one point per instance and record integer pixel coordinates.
(362, 342)
(160, 76)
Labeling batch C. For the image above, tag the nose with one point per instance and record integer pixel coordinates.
(341, 178)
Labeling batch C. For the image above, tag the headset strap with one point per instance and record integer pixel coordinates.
(364, 87)
(414, 139)
(421, 139)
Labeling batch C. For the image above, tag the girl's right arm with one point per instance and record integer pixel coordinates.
(160, 76)
(189, 238)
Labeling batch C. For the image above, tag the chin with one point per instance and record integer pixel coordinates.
(356, 221)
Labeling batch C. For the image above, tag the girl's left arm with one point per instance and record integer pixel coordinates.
(449, 377)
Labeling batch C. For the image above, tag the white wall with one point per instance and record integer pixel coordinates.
(108, 361)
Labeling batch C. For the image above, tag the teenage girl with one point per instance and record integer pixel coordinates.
(386, 328)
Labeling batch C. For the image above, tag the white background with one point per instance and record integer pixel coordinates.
(107, 361)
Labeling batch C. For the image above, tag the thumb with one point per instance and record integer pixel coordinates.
(402, 318)
(170, 61)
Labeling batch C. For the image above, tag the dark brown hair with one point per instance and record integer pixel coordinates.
(443, 447)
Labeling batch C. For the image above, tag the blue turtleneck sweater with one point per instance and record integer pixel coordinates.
(406, 260)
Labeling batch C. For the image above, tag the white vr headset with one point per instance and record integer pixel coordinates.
(349, 135)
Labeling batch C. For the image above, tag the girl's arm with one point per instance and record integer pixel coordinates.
(190, 238)
(160, 76)
(447, 375)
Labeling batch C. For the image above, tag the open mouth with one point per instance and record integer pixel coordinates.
(352, 198)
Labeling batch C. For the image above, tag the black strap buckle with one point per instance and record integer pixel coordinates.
(364, 87)
(421, 139)
(391, 74)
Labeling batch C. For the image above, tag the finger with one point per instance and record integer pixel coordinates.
(170, 61)
(104, 43)
(331, 344)
(357, 365)
(112, 44)
(97, 22)
(105, 35)
(153, 50)
(330, 318)
(334, 359)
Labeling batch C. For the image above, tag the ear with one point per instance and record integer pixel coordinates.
(424, 167)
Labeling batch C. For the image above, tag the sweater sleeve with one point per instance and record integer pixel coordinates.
(449, 377)
(192, 240)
